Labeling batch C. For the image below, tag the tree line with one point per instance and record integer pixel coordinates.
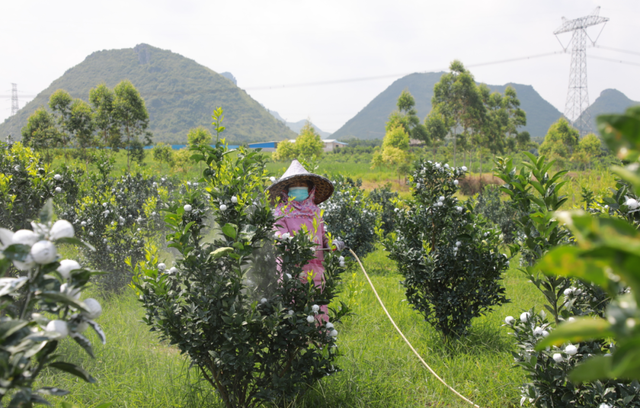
(472, 117)
(113, 118)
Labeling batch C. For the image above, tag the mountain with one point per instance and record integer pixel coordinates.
(369, 122)
(180, 94)
(296, 126)
(609, 101)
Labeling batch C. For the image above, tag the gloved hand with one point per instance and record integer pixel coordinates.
(338, 245)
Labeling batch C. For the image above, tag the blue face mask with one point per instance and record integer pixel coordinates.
(299, 193)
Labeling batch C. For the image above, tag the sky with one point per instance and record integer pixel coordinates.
(325, 60)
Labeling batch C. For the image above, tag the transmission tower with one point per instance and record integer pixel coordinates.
(578, 94)
(14, 99)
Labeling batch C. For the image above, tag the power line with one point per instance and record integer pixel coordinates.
(615, 60)
(617, 49)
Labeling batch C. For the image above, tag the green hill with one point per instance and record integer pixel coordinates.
(180, 94)
(369, 122)
(609, 101)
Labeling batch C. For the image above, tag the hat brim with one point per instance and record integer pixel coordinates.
(324, 187)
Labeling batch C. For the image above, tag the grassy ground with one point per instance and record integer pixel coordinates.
(134, 369)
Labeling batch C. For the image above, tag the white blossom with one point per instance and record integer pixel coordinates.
(329, 325)
(310, 319)
(44, 252)
(524, 317)
(66, 266)
(455, 182)
(187, 208)
(59, 327)
(632, 203)
(57, 177)
(315, 308)
(464, 168)
(509, 320)
(604, 405)
(223, 207)
(172, 270)
(94, 310)
(545, 333)
(571, 319)
(557, 357)
(568, 291)
(458, 243)
(441, 198)
(290, 312)
(537, 331)
(25, 237)
(459, 209)
(334, 333)
(162, 266)
(263, 300)
(571, 350)
(234, 199)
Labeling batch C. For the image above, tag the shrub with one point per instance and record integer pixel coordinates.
(350, 216)
(491, 206)
(548, 369)
(448, 255)
(25, 184)
(386, 199)
(234, 302)
(40, 308)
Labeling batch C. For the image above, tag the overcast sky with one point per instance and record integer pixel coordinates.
(277, 48)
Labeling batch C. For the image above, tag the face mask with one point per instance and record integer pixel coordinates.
(299, 193)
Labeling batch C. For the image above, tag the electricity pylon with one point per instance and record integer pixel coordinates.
(578, 94)
(14, 99)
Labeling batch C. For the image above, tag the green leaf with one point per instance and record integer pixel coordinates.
(63, 298)
(220, 252)
(577, 331)
(229, 230)
(83, 342)
(73, 369)
(568, 261)
(592, 369)
(75, 241)
(16, 252)
(7, 328)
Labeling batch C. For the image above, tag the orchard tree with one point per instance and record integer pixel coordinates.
(285, 151)
(133, 120)
(199, 135)
(308, 142)
(436, 129)
(60, 104)
(457, 99)
(163, 153)
(560, 141)
(588, 149)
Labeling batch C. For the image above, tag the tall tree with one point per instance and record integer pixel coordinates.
(436, 129)
(41, 133)
(102, 101)
(407, 117)
(133, 120)
(60, 103)
(560, 141)
(458, 100)
(394, 152)
(308, 143)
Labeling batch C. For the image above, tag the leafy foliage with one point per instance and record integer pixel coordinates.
(607, 255)
(448, 255)
(387, 200)
(350, 217)
(40, 308)
(493, 208)
(234, 302)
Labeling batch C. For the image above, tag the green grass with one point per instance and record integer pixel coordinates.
(134, 369)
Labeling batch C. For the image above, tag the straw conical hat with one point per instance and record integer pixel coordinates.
(295, 173)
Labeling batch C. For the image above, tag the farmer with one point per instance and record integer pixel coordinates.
(300, 193)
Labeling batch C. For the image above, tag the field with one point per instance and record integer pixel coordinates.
(136, 369)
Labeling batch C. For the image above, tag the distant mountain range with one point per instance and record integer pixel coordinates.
(180, 94)
(369, 122)
(609, 101)
(296, 126)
